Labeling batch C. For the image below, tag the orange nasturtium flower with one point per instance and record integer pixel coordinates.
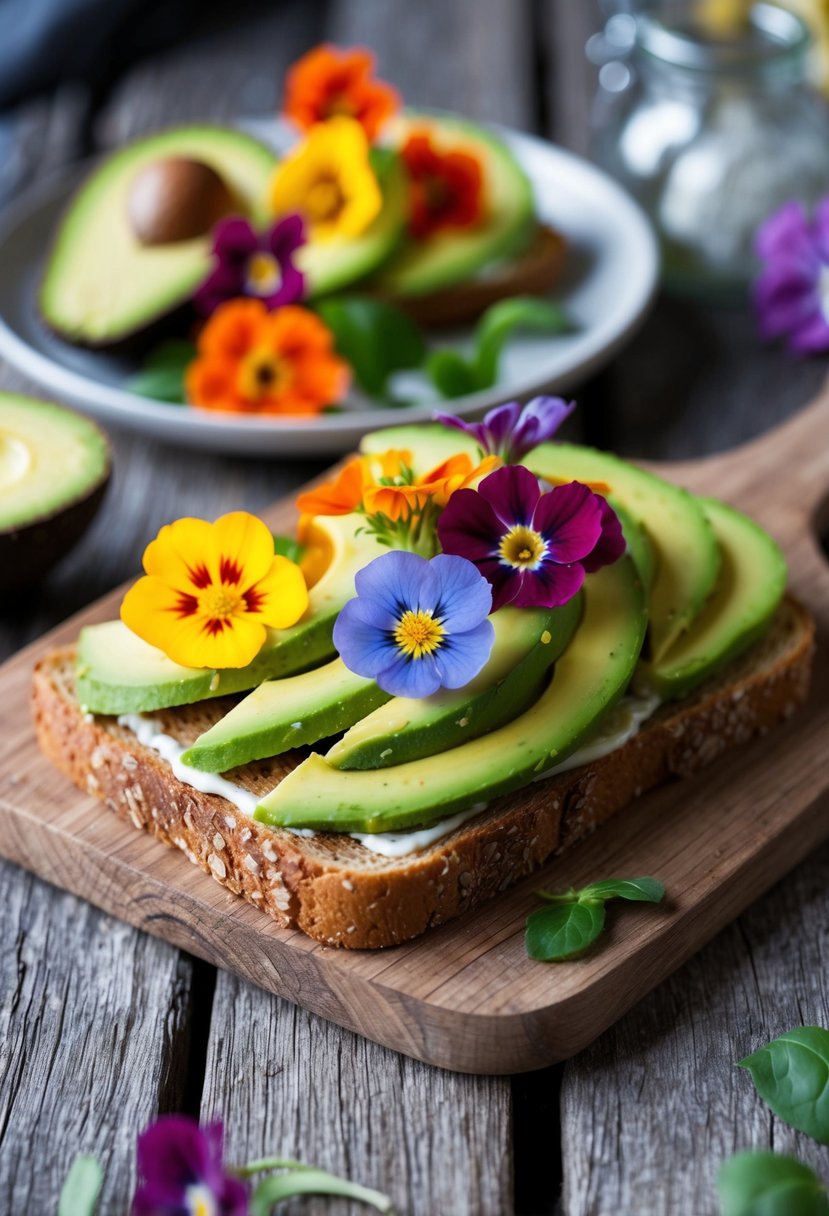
(329, 81)
(211, 590)
(254, 361)
(446, 186)
(329, 181)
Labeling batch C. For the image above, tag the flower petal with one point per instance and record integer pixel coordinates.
(181, 554)
(548, 586)
(406, 677)
(281, 597)
(570, 519)
(611, 543)
(398, 581)
(463, 655)
(538, 422)
(243, 549)
(463, 594)
(285, 237)
(469, 527)
(363, 647)
(499, 424)
(174, 1152)
(513, 493)
(234, 239)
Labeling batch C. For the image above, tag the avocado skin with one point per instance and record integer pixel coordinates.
(27, 553)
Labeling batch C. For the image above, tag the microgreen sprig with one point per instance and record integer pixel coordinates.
(573, 920)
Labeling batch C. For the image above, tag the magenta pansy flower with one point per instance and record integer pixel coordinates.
(791, 294)
(416, 625)
(181, 1173)
(253, 264)
(534, 548)
(512, 430)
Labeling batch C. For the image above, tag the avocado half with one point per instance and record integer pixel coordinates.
(54, 469)
(101, 284)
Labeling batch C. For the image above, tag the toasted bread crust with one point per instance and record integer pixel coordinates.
(372, 902)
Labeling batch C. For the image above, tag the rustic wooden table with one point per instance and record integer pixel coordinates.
(101, 1027)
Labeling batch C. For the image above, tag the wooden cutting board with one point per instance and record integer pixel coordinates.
(465, 996)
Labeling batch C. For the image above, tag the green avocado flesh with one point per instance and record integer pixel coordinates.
(49, 459)
(749, 589)
(334, 264)
(589, 677)
(101, 284)
(118, 673)
(450, 256)
(685, 547)
(527, 643)
(281, 714)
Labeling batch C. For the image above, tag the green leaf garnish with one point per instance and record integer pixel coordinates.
(573, 919)
(162, 376)
(768, 1184)
(287, 546)
(455, 375)
(374, 338)
(791, 1074)
(305, 1180)
(79, 1193)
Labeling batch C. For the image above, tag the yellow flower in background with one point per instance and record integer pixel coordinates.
(211, 590)
(329, 181)
(724, 18)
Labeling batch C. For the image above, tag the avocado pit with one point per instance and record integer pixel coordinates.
(177, 198)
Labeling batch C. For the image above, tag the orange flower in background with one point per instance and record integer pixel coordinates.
(212, 590)
(399, 498)
(328, 82)
(338, 497)
(254, 361)
(447, 187)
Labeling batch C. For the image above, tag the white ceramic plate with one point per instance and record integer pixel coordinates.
(610, 278)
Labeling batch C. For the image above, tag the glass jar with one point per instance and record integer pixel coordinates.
(712, 135)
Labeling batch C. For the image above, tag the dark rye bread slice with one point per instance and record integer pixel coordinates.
(342, 894)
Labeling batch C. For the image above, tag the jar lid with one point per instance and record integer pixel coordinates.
(770, 34)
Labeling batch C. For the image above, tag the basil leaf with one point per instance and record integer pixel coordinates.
(451, 374)
(375, 338)
(162, 376)
(286, 546)
(309, 1181)
(641, 890)
(79, 1193)
(562, 931)
(499, 323)
(766, 1184)
(791, 1075)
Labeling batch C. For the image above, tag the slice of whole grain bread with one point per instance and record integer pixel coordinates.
(339, 892)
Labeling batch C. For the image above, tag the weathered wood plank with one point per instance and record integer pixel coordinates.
(288, 1083)
(93, 1034)
(651, 1109)
(569, 81)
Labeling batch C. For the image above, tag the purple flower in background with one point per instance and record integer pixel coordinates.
(257, 265)
(791, 294)
(416, 625)
(534, 548)
(511, 430)
(181, 1173)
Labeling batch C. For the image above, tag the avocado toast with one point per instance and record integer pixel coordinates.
(425, 806)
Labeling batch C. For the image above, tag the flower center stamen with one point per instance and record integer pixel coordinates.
(263, 274)
(324, 200)
(200, 1201)
(261, 373)
(418, 633)
(522, 548)
(219, 603)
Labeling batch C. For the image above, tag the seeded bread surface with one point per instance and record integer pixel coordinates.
(337, 891)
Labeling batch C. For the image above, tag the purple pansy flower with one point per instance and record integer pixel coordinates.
(248, 263)
(416, 625)
(533, 547)
(181, 1173)
(512, 430)
(791, 294)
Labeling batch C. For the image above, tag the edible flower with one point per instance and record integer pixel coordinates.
(791, 294)
(512, 430)
(446, 187)
(328, 179)
(181, 1172)
(533, 547)
(255, 361)
(249, 263)
(415, 625)
(328, 82)
(211, 591)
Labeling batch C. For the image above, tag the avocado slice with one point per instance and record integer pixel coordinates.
(450, 257)
(527, 643)
(119, 673)
(101, 283)
(590, 676)
(334, 264)
(748, 591)
(685, 548)
(54, 469)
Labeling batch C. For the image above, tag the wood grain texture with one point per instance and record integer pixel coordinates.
(662, 1085)
(291, 1084)
(93, 1034)
(464, 996)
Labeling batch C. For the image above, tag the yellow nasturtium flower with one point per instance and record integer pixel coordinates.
(211, 591)
(329, 181)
